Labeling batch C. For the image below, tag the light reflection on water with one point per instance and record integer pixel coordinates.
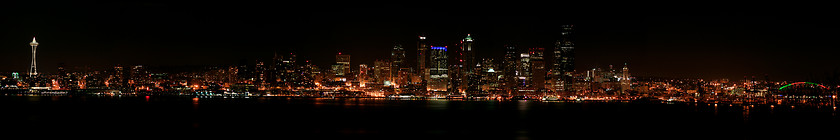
(434, 117)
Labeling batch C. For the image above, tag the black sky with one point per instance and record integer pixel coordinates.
(704, 42)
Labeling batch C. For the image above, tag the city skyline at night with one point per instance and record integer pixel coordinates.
(728, 44)
(417, 70)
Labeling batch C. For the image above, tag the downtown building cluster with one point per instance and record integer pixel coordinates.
(443, 69)
(440, 69)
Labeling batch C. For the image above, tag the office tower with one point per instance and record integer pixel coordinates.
(292, 70)
(364, 74)
(33, 70)
(523, 72)
(422, 51)
(490, 75)
(625, 79)
(457, 80)
(344, 61)
(564, 58)
(510, 69)
(465, 65)
(402, 77)
(438, 71)
(309, 75)
(116, 78)
(274, 71)
(397, 65)
(382, 72)
(467, 53)
(473, 82)
(538, 71)
(260, 75)
(286, 72)
(337, 72)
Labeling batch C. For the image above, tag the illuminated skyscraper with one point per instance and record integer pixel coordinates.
(523, 72)
(397, 65)
(564, 58)
(363, 76)
(465, 66)
(33, 70)
(490, 76)
(344, 61)
(286, 72)
(117, 79)
(439, 72)
(510, 69)
(261, 75)
(625, 79)
(467, 54)
(309, 75)
(398, 56)
(422, 50)
(538, 71)
(382, 71)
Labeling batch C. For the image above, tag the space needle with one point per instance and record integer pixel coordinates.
(33, 71)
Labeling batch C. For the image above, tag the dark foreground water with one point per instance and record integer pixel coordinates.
(363, 118)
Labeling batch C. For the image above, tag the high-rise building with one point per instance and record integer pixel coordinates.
(510, 69)
(364, 74)
(625, 79)
(309, 75)
(422, 51)
(116, 79)
(439, 71)
(564, 58)
(286, 72)
(490, 76)
(524, 74)
(344, 61)
(402, 77)
(468, 55)
(538, 70)
(382, 72)
(465, 66)
(33, 70)
(261, 75)
(397, 65)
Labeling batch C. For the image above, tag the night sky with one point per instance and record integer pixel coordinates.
(674, 42)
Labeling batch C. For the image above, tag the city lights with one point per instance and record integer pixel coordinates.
(354, 71)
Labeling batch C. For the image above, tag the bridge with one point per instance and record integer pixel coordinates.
(804, 88)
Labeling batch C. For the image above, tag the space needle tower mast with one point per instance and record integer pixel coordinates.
(33, 71)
